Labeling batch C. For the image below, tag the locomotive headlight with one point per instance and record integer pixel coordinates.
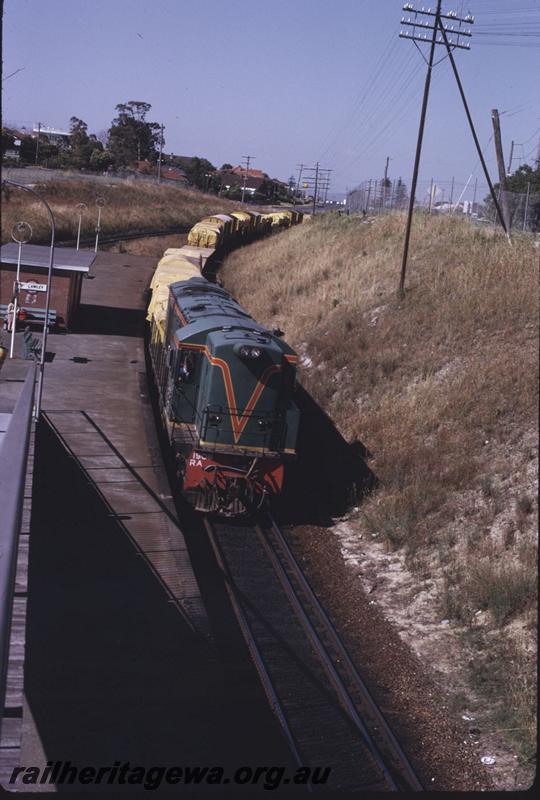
(249, 352)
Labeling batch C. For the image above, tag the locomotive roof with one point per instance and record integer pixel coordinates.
(196, 302)
(207, 307)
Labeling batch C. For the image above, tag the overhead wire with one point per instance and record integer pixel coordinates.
(400, 109)
(397, 97)
(396, 119)
(371, 80)
(376, 83)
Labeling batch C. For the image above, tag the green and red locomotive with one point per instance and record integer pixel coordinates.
(226, 387)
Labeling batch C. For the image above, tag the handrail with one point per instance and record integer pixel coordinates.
(13, 462)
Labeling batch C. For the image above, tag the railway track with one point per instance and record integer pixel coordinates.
(113, 238)
(322, 704)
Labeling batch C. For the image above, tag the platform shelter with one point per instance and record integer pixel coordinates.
(69, 268)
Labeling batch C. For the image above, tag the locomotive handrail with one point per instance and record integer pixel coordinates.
(13, 460)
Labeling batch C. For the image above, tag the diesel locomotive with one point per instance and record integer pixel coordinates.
(225, 386)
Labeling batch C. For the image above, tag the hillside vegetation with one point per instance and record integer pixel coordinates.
(128, 208)
(441, 388)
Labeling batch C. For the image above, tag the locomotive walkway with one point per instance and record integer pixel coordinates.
(120, 662)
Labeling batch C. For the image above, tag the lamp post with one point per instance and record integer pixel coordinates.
(37, 408)
(100, 202)
(81, 208)
(24, 231)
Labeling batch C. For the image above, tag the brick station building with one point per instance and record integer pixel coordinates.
(69, 268)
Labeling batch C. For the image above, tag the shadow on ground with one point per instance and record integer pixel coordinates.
(329, 474)
(113, 672)
(109, 321)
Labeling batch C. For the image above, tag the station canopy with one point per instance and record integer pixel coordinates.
(67, 259)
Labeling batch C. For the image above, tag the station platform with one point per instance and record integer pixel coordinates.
(119, 657)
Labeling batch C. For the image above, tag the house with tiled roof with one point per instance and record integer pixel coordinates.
(251, 173)
(174, 174)
(232, 179)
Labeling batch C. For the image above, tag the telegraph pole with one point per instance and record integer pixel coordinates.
(326, 183)
(449, 47)
(509, 170)
(319, 183)
(37, 142)
(300, 168)
(452, 191)
(316, 186)
(453, 36)
(418, 151)
(248, 159)
(526, 211)
(384, 184)
(368, 196)
(160, 154)
(500, 164)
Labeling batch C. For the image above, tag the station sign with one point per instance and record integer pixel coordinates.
(32, 286)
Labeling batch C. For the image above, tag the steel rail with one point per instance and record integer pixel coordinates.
(253, 648)
(324, 657)
(112, 238)
(13, 466)
(413, 783)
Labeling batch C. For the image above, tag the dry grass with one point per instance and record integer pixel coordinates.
(129, 207)
(440, 387)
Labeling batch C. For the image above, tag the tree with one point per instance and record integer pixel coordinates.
(80, 145)
(100, 160)
(402, 197)
(524, 179)
(8, 140)
(27, 150)
(199, 171)
(225, 167)
(131, 137)
(292, 187)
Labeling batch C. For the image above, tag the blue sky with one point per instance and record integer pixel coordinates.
(286, 81)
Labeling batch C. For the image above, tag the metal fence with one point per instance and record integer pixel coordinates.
(522, 209)
(377, 197)
(13, 461)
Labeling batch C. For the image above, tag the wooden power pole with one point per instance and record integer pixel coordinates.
(246, 175)
(500, 164)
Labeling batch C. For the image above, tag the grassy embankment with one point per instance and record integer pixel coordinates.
(442, 390)
(129, 207)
